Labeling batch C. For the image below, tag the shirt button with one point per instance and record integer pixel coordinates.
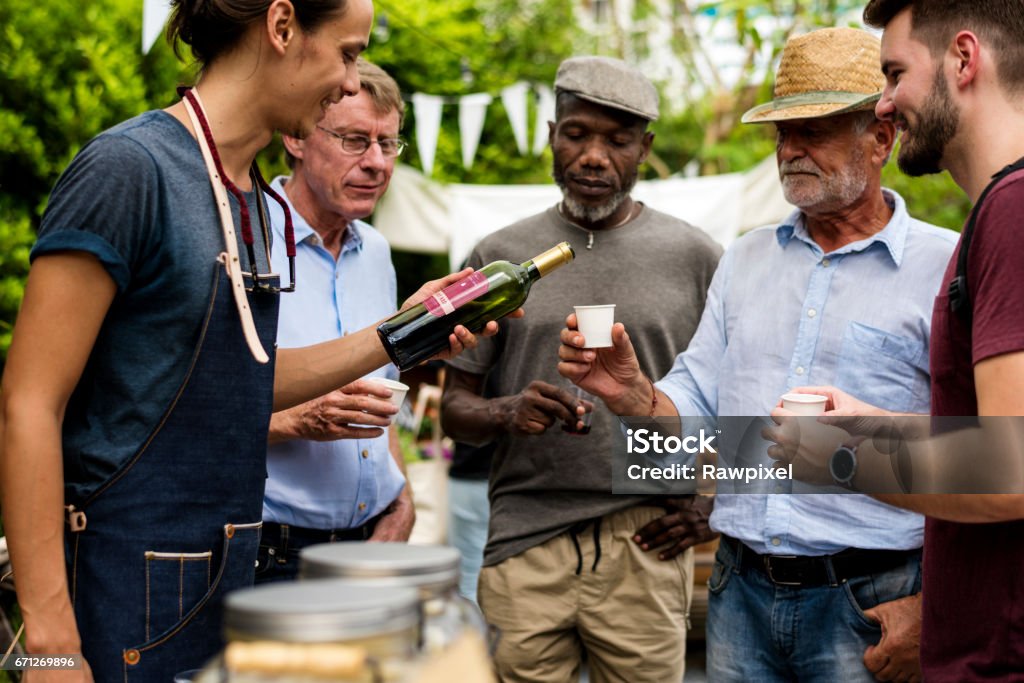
(811, 313)
(776, 541)
(365, 454)
(800, 370)
(362, 507)
(825, 263)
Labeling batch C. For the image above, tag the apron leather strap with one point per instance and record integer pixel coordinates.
(230, 257)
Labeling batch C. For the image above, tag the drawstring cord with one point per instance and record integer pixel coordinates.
(579, 555)
(577, 529)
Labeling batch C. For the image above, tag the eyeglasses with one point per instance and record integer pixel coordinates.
(358, 144)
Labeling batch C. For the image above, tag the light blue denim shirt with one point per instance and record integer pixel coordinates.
(331, 484)
(780, 314)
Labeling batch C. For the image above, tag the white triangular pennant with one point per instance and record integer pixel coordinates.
(545, 113)
(472, 110)
(514, 99)
(427, 109)
(154, 17)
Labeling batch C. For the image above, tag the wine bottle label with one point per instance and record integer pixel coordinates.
(455, 295)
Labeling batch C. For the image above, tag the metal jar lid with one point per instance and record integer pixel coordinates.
(319, 612)
(430, 568)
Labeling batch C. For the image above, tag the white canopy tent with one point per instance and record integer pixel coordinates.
(420, 215)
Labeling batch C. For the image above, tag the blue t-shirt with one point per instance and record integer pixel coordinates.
(137, 197)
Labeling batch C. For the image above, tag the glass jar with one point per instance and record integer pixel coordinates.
(299, 632)
(431, 569)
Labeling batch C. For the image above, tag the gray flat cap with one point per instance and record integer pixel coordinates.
(610, 83)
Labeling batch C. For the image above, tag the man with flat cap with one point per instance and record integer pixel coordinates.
(562, 575)
(807, 587)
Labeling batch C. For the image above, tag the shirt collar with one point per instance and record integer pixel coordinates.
(893, 236)
(353, 239)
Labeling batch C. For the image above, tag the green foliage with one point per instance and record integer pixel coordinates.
(67, 72)
(16, 237)
(934, 199)
(458, 47)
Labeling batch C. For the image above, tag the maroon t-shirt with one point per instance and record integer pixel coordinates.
(973, 574)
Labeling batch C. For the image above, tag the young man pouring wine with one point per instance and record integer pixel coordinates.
(560, 569)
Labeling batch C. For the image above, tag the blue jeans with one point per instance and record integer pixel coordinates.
(760, 631)
(468, 514)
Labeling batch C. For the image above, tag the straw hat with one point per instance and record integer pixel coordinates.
(823, 73)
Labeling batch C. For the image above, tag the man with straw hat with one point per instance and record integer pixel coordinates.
(804, 586)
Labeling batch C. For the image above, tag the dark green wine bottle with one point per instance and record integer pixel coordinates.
(489, 293)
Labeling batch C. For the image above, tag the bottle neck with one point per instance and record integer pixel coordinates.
(532, 271)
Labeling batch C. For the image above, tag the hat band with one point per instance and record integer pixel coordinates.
(822, 97)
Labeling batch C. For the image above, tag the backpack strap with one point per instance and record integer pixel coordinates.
(959, 294)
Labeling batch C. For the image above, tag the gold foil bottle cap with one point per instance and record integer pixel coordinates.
(553, 258)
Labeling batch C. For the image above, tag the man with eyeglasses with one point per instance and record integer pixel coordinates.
(333, 472)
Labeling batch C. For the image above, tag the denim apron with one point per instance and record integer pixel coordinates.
(178, 525)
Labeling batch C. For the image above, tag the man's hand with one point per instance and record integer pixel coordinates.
(360, 410)
(612, 373)
(863, 419)
(897, 656)
(804, 443)
(536, 408)
(840, 403)
(684, 525)
(395, 525)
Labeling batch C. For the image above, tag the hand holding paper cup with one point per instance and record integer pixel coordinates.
(804, 404)
(398, 390)
(595, 324)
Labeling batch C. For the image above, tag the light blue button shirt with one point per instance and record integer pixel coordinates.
(330, 484)
(781, 313)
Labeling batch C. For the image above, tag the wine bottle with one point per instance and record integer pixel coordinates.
(493, 291)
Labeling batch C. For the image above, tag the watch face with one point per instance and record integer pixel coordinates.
(843, 465)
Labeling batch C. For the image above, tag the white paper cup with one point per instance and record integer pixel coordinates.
(398, 390)
(804, 404)
(595, 324)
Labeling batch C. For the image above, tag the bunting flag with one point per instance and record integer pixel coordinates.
(154, 17)
(545, 113)
(514, 99)
(472, 110)
(427, 109)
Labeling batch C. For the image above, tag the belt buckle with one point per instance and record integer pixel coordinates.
(767, 559)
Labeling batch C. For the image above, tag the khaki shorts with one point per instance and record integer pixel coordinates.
(629, 613)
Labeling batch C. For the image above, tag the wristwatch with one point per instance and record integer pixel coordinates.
(843, 466)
